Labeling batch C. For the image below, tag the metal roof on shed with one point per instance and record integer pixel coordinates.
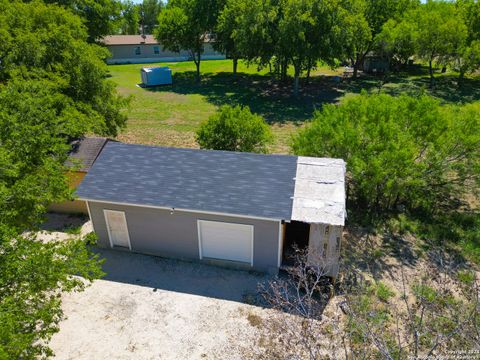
(204, 180)
(319, 191)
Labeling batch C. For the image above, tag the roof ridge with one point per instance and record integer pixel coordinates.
(239, 153)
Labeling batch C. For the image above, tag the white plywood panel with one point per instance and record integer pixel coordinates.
(226, 241)
(320, 172)
(315, 190)
(324, 247)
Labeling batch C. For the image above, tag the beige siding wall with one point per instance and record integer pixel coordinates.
(69, 207)
(127, 54)
(75, 206)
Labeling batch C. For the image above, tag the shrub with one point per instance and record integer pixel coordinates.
(466, 277)
(383, 292)
(235, 129)
(403, 150)
(429, 319)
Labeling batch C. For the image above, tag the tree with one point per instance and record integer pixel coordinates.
(399, 150)
(441, 32)
(234, 129)
(256, 32)
(99, 15)
(36, 123)
(470, 11)
(296, 27)
(360, 40)
(61, 55)
(357, 34)
(468, 59)
(306, 32)
(398, 40)
(287, 32)
(130, 18)
(432, 314)
(224, 32)
(53, 88)
(33, 276)
(184, 25)
(150, 9)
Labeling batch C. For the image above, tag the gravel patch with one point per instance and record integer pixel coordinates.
(153, 308)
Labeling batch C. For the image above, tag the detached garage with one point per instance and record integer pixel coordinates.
(237, 209)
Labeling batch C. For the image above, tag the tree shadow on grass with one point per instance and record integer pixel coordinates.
(269, 98)
(447, 89)
(446, 86)
(274, 99)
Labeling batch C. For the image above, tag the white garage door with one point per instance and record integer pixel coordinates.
(226, 241)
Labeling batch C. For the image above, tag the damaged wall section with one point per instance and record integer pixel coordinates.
(319, 200)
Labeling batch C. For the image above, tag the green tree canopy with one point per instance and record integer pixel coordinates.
(356, 34)
(468, 57)
(32, 276)
(307, 33)
(149, 10)
(441, 32)
(234, 129)
(184, 25)
(366, 19)
(287, 32)
(37, 122)
(53, 88)
(224, 32)
(256, 30)
(470, 11)
(399, 150)
(129, 21)
(49, 42)
(98, 15)
(398, 39)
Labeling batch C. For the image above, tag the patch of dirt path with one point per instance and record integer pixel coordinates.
(112, 320)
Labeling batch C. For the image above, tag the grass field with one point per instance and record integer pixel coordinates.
(169, 115)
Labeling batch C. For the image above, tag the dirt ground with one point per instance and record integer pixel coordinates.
(156, 309)
(153, 308)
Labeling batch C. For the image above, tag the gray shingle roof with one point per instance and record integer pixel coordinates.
(204, 180)
(85, 151)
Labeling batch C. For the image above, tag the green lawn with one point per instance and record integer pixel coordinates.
(169, 115)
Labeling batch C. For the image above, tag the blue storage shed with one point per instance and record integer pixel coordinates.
(156, 76)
